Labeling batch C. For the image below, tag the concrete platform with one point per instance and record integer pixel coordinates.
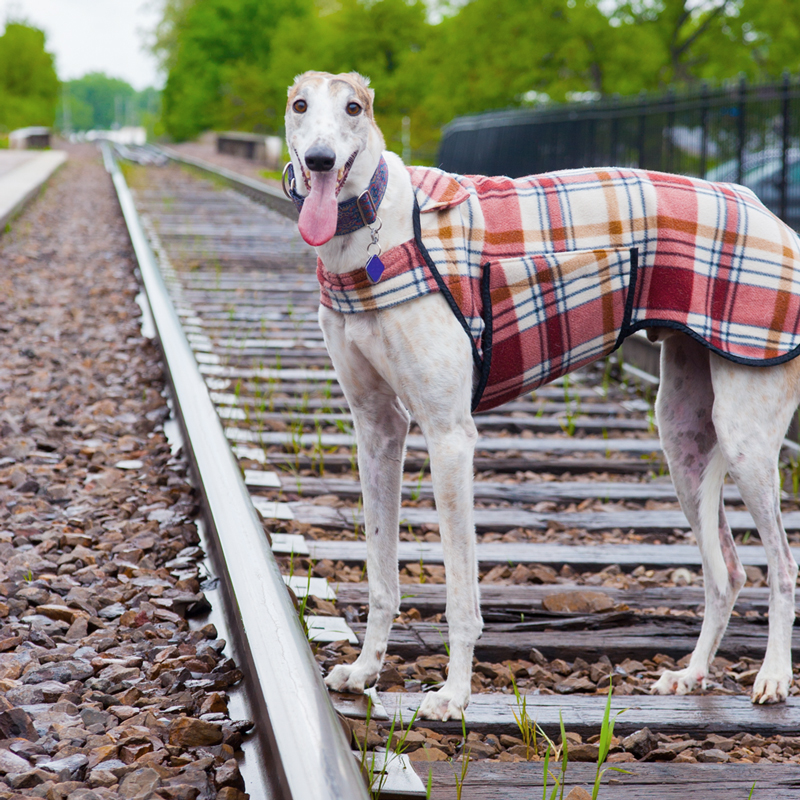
(22, 175)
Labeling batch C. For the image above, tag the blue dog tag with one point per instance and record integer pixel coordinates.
(375, 268)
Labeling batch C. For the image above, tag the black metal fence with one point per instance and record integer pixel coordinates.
(744, 133)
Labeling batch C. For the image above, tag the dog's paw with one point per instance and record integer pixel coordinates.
(679, 682)
(351, 678)
(771, 688)
(444, 704)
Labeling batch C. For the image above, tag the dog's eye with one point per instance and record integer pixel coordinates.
(353, 109)
(300, 106)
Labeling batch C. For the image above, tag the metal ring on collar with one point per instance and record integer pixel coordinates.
(283, 181)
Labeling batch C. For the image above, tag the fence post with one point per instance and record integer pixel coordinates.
(642, 123)
(704, 105)
(670, 143)
(612, 159)
(741, 128)
(784, 144)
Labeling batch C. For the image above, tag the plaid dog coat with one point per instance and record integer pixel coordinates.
(550, 272)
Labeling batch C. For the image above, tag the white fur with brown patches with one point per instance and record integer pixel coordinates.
(714, 417)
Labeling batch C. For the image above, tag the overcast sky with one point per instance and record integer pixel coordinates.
(94, 35)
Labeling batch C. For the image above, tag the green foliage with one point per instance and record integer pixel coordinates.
(216, 53)
(99, 101)
(28, 81)
(229, 62)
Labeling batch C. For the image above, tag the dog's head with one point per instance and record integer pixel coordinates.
(334, 145)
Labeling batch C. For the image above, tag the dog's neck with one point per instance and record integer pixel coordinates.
(349, 252)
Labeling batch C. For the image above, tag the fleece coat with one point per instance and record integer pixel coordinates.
(550, 272)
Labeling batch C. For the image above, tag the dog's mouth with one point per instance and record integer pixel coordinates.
(341, 175)
(320, 212)
(344, 172)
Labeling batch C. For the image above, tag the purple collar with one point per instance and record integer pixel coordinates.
(355, 213)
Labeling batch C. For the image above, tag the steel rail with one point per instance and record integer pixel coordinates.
(256, 190)
(307, 755)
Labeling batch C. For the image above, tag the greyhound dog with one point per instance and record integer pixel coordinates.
(360, 207)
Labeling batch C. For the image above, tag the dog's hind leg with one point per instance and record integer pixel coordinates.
(381, 426)
(752, 410)
(686, 426)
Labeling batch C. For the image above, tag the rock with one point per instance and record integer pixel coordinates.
(14, 722)
(214, 704)
(572, 685)
(660, 754)
(389, 677)
(28, 779)
(754, 575)
(10, 667)
(230, 793)
(84, 794)
(582, 602)
(410, 740)
(11, 763)
(25, 695)
(719, 742)
(100, 777)
(93, 716)
(63, 613)
(124, 712)
(191, 732)
(78, 630)
(35, 595)
(713, 756)
(180, 791)
(542, 574)
(62, 790)
(228, 774)
(536, 657)
(359, 733)
(51, 690)
(640, 743)
(68, 768)
(520, 574)
(509, 741)
(139, 784)
(497, 574)
(479, 750)
(583, 752)
(620, 758)
(103, 753)
(487, 669)
(134, 751)
(428, 754)
(578, 793)
(64, 671)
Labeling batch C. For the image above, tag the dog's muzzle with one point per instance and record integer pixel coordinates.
(320, 158)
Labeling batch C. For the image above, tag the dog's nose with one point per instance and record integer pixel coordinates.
(320, 158)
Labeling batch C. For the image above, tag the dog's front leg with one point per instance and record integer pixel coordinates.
(381, 426)
(451, 453)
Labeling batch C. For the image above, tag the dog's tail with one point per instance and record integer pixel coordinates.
(711, 520)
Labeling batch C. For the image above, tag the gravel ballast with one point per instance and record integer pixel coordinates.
(107, 689)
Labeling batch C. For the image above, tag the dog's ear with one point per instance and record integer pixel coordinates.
(366, 95)
(296, 83)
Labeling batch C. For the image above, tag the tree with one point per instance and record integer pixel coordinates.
(229, 62)
(98, 101)
(212, 50)
(28, 81)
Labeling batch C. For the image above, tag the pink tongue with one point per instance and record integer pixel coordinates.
(317, 223)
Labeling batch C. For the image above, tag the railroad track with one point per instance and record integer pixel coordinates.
(588, 573)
